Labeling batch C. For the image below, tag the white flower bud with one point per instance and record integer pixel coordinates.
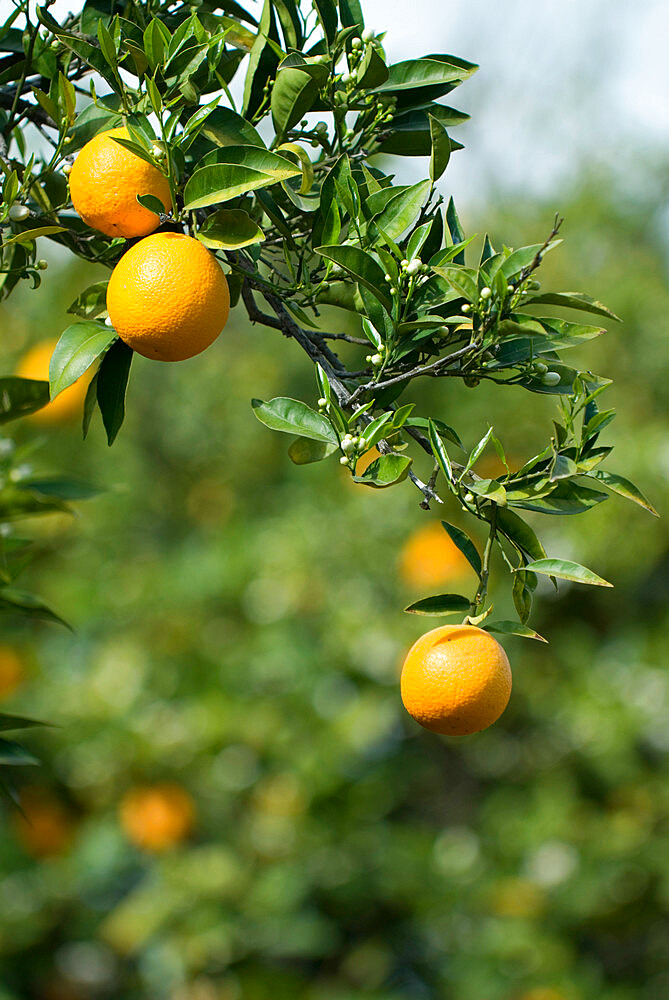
(67, 169)
(486, 293)
(356, 43)
(157, 151)
(19, 213)
(469, 497)
(376, 359)
(466, 309)
(415, 266)
(108, 321)
(551, 378)
(367, 35)
(322, 403)
(343, 460)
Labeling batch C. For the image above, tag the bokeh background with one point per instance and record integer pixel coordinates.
(234, 805)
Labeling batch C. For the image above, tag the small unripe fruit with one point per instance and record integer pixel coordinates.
(42, 265)
(486, 293)
(18, 213)
(551, 378)
(540, 367)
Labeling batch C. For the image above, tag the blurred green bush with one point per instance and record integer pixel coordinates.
(239, 634)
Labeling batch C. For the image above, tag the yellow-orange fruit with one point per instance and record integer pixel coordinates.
(69, 403)
(456, 680)
(157, 817)
(11, 671)
(105, 181)
(168, 298)
(429, 558)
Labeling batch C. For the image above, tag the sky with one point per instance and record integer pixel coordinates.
(564, 85)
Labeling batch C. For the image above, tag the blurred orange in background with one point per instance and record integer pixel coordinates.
(69, 403)
(429, 558)
(157, 817)
(47, 827)
(12, 673)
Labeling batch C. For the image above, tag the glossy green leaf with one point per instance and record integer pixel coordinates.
(362, 267)
(304, 451)
(622, 486)
(12, 753)
(385, 471)
(463, 542)
(293, 95)
(566, 498)
(427, 72)
(441, 604)
(21, 396)
(222, 182)
(79, 346)
(513, 628)
(292, 416)
(439, 450)
(230, 229)
(28, 235)
(112, 382)
(255, 158)
(19, 602)
(91, 302)
(572, 300)
(564, 569)
(401, 210)
(520, 533)
(12, 723)
(327, 15)
(441, 148)
(225, 127)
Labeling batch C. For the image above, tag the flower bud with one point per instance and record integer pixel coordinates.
(356, 43)
(367, 35)
(540, 367)
(157, 151)
(19, 213)
(469, 497)
(322, 403)
(108, 321)
(42, 265)
(343, 460)
(376, 359)
(466, 309)
(415, 266)
(486, 293)
(551, 378)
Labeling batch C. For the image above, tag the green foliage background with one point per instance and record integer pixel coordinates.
(238, 632)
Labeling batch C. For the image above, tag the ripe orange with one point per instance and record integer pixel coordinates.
(67, 404)
(157, 817)
(48, 826)
(429, 558)
(168, 298)
(456, 680)
(105, 181)
(11, 671)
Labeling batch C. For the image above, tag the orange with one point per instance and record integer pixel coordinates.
(105, 181)
(11, 671)
(456, 680)
(157, 817)
(48, 826)
(70, 402)
(429, 558)
(168, 298)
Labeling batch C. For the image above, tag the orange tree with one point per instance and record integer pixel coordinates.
(286, 189)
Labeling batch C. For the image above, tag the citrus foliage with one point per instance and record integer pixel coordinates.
(302, 213)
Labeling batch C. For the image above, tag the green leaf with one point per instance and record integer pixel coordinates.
(439, 450)
(225, 127)
(263, 62)
(156, 40)
(60, 489)
(292, 416)
(385, 471)
(401, 211)
(362, 267)
(255, 158)
(91, 302)
(12, 723)
(153, 204)
(230, 229)
(20, 602)
(294, 94)
(12, 753)
(572, 300)
(622, 486)
(520, 533)
(327, 15)
(222, 182)
(566, 498)
(372, 70)
(464, 543)
(21, 396)
(441, 604)
(441, 148)
(79, 346)
(564, 569)
(304, 451)
(28, 235)
(522, 258)
(489, 489)
(427, 72)
(350, 12)
(513, 628)
(455, 229)
(112, 382)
